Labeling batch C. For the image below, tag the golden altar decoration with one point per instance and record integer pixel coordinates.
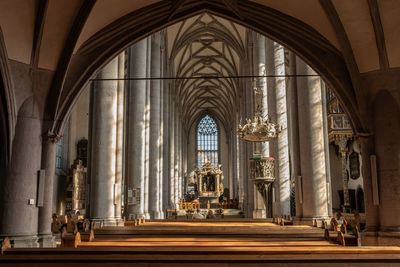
(209, 180)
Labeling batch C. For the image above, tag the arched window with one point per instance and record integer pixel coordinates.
(207, 141)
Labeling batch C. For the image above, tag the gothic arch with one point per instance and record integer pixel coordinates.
(218, 133)
(7, 104)
(195, 121)
(299, 37)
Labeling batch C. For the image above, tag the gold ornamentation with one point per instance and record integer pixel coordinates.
(209, 179)
(258, 129)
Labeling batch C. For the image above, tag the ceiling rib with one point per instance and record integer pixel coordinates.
(379, 35)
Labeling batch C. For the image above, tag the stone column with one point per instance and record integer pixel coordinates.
(293, 134)
(172, 152)
(120, 136)
(49, 146)
(179, 159)
(260, 68)
(163, 131)
(154, 156)
(277, 111)
(259, 63)
(312, 150)
(147, 131)
(166, 147)
(176, 160)
(135, 141)
(231, 161)
(103, 156)
(18, 210)
(326, 145)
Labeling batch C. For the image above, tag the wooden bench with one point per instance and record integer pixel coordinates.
(135, 222)
(338, 236)
(171, 214)
(283, 220)
(73, 240)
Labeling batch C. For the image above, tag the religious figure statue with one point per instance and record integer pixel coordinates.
(204, 187)
(221, 188)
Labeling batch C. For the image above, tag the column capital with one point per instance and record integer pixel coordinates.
(51, 137)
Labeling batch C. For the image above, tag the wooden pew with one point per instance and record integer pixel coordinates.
(73, 240)
(171, 214)
(55, 224)
(135, 222)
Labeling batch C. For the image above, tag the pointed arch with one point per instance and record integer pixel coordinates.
(7, 102)
(292, 33)
(207, 140)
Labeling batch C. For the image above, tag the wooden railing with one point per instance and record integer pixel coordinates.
(227, 205)
(189, 205)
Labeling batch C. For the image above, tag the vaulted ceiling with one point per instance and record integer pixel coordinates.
(344, 40)
(365, 24)
(201, 47)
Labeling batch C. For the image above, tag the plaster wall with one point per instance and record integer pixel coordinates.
(79, 122)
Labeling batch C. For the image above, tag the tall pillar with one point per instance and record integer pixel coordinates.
(120, 136)
(166, 147)
(176, 160)
(49, 146)
(326, 145)
(277, 111)
(231, 160)
(247, 196)
(163, 131)
(293, 134)
(259, 63)
(135, 141)
(312, 150)
(104, 146)
(18, 210)
(260, 68)
(154, 156)
(172, 152)
(179, 159)
(147, 132)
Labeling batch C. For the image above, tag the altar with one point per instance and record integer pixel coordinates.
(209, 183)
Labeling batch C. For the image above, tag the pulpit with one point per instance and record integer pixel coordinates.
(262, 170)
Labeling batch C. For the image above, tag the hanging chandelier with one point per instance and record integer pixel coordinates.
(259, 129)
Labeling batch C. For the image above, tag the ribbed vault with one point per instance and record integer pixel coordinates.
(200, 47)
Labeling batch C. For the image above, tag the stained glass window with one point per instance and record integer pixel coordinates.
(59, 154)
(207, 141)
